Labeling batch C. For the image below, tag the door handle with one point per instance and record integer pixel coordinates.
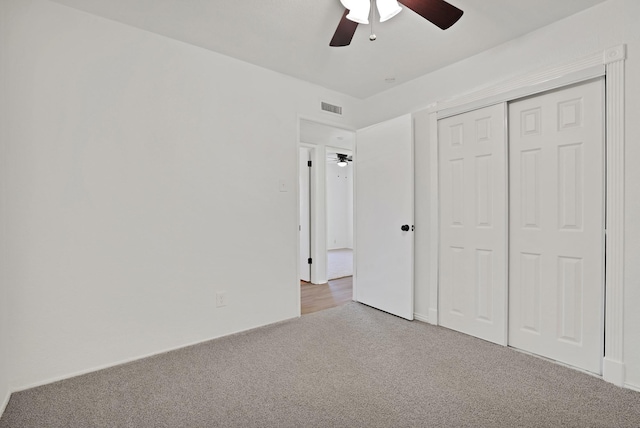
(405, 228)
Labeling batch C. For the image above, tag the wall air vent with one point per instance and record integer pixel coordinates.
(331, 108)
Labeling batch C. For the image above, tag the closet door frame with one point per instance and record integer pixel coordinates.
(609, 63)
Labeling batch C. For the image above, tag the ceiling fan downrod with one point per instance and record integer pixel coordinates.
(372, 36)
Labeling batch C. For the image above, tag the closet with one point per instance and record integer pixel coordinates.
(522, 224)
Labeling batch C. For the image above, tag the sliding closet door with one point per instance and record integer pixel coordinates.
(473, 223)
(556, 280)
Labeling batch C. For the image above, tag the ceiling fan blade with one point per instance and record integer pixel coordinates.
(345, 31)
(439, 12)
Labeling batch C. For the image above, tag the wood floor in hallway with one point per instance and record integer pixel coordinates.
(317, 297)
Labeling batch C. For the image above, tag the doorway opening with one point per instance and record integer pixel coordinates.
(325, 215)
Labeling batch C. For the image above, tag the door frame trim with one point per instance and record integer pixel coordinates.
(611, 64)
(312, 153)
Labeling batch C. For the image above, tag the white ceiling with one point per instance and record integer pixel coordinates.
(292, 36)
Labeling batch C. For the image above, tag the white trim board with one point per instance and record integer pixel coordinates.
(532, 83)
(435, 220)
(632, 387)
(421, 318)
(5, 402)
(609, 63)
(140, 357)
(313, 154)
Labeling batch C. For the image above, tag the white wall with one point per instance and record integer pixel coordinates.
(339, 206)
(124, 205)
(142, 175)
(608, 24)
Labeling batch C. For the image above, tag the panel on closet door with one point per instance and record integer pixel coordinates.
(456, 134)
(530, 188)
(528, 307)
(484, 285)
(457, 280)
(570, 295)
(457, 191)
(570, 186)
(483, 129)
(484, 191)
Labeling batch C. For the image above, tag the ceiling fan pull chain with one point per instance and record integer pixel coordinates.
(372, 36)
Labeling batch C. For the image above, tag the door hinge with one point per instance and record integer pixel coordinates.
(309, 260)
(309, 164)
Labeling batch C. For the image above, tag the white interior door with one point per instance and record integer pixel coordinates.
(305, 214)
(556, 283)
(383, 204)
(473, 223)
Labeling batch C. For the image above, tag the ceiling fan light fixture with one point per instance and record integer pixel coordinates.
(439, 12)
(343, 160)
(388, 9)
(358, 10)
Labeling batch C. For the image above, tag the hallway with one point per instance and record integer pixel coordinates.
(317, 297)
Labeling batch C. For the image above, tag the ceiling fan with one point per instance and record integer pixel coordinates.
(341, 159)
(439, 12)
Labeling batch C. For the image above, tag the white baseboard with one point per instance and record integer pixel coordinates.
(632, 387)
(433, 316)
(129, 360)
(613, 371)
(420, 317)
(3, 404)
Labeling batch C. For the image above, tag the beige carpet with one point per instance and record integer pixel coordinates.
(350, 366)
(339, 263)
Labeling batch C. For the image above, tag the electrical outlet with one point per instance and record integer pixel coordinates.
(221, 299)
